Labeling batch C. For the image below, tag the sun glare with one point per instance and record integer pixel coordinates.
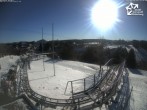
(104, 14)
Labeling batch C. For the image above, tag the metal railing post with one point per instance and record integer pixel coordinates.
(94, 79)
(84, 84)
(72, 89)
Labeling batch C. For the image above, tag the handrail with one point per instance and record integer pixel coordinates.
(61, 102)
(91, 76)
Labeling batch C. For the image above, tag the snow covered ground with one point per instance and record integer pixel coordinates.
(137, 53)
(138, 79)
(112, 46)
(143, 53)
(140, 53)
(6, 62)
(16, 105)
(45, 83)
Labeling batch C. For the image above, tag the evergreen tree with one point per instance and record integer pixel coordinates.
(67, 51)
(94, 55)
(131, 60)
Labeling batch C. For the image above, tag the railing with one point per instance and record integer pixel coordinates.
(85, 84)
(39, 97)
(107, 82)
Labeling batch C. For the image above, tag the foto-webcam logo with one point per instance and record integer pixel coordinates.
(133, 9)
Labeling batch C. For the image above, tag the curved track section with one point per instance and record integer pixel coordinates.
(97, 95)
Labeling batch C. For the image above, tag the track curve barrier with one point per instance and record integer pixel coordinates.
(104, 88)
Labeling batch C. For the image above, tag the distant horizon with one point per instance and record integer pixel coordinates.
(70, 39)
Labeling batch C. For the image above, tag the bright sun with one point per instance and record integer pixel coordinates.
(104, 14)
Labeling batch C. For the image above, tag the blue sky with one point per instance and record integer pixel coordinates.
(23, 21)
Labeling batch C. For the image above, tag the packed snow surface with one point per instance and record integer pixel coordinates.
(138, 96)
(138, 79)
(45, 83)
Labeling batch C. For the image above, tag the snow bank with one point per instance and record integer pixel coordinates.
(138, 100)
(7, 61)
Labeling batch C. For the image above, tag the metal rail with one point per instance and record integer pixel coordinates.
(100, 93)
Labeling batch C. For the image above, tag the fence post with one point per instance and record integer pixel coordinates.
(94, 79)
(84, 84)
(0, 80)
(101, 72)
(72, 89)
(66, 87)
(78, 104)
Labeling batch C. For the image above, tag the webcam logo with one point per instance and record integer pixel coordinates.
(133, 9)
